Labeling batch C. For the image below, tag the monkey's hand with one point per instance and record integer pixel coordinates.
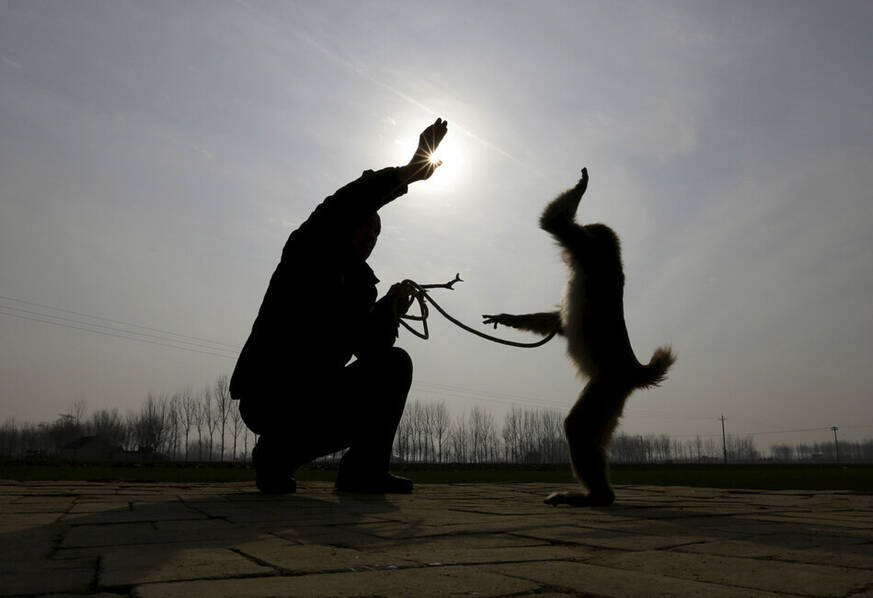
(505, 319)
(582, 185)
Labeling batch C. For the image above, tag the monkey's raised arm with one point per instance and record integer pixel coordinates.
(560, 215)
(540, 323)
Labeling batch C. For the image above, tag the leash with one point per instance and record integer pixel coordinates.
(422, 297)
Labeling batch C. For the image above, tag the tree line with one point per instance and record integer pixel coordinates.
(207, 426)
(827, 452)
(185, 426)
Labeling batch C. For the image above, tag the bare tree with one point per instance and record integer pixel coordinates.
(698, 447)
(553, 446)
(483, 438)
(424, 433)
(246, 444)
(151, 425)
(237, 425)
(200, 420)
(511, 435)
(210, 417)
(440, 426)
(403, 437)
(416, 425)
(742, 449)
(460, 437)
(531, 435)
(78, 411)
(782, 452)
(222, 407)
(63, 431)
(174, 417)
(189, 415)
(429, 436)
(10, 439)
(109, 426)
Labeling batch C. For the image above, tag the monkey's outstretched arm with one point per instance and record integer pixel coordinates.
(541, 323)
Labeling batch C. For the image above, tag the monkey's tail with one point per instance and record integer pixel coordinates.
(655, 372)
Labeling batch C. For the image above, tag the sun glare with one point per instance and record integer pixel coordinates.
(450, 156)
(453, 157)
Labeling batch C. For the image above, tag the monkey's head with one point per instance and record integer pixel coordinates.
(362, 238)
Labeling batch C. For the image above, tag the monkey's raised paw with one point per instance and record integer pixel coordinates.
(583, 181)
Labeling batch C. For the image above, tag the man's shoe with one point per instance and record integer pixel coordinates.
(375, 484)
(268, 483)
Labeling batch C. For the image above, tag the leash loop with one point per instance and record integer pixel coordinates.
(421, 296)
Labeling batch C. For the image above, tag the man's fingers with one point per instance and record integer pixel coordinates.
(441, 130)
(433, 134)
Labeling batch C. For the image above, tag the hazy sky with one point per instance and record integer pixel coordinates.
(154, 156)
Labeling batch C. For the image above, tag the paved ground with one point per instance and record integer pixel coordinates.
(149, 540)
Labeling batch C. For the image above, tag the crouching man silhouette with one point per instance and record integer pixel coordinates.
(295, 386)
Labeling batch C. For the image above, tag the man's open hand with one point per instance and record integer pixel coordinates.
(420, 167)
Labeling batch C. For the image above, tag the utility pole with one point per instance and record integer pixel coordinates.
(723, 439)
(836, 445)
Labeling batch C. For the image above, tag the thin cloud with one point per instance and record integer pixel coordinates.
(456, 126)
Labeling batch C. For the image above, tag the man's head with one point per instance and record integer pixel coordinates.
(362, 238)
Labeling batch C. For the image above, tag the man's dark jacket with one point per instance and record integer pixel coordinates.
(320, 306)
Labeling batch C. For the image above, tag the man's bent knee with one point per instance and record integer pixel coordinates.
(396, 369)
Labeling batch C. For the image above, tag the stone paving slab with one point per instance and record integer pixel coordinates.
(145, 540)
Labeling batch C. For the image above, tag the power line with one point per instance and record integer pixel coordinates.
(110, 320)
(133, 333)
(112, 334)
(788, 431)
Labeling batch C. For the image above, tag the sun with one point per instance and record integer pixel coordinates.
(453, 159)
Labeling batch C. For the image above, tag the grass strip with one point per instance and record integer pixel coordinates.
(857, 478)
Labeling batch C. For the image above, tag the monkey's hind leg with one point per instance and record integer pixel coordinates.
(590, 465)
(588, 427)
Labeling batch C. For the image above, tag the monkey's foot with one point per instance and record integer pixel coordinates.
(578, 499)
